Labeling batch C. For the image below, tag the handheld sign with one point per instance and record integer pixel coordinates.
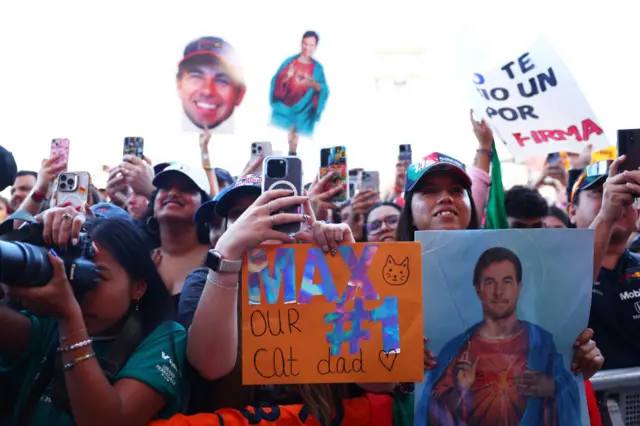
(308, 317)
(536, 107)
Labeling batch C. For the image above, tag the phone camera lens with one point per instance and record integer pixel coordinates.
(63, 186)
(259, 148)
(70, 181)
(277, 169)
(253, 151)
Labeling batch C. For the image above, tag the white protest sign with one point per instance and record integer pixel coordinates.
(536, 107)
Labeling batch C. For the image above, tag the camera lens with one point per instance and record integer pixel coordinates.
(259, 148)
(70, 181)
(324, 158)
(276, 169)
(63, 186)
(24, 264)
(253, 151)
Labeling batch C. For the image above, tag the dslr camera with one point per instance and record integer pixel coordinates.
(24, 261)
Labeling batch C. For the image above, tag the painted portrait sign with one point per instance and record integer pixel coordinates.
(502, 319)
(299, 89)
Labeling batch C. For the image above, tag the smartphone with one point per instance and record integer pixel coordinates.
(133, 145)
(334, 160)
(370, 181)
(60, 148)
(405, 153)
(284, 173)
(554, 159)
(629, 145)
(258, 149)
(72, 187)
(354, 181)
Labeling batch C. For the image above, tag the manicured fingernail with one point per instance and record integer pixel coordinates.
(333, 252)
(74, 241)
(306, 217)
(78, 208)
(67, 204)
(53, 252)
(325, 249)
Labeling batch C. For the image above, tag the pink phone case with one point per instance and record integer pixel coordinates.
(60, 148)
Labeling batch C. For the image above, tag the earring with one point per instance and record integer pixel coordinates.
(152, 225)
(138, 304)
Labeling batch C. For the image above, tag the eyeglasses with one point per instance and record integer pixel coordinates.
(376, 226)
(591, 173)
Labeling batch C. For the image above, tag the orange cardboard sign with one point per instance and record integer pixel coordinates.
(354, 317)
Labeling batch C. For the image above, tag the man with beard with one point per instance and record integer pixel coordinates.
(209, 82)
(299, 90)
(602, 199)
(22, 187)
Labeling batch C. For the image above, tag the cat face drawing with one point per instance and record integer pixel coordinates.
(395, 273)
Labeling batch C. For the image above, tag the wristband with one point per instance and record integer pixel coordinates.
(485, 151)
(77, 361)
(398, 190)
(76, 346)
(37, 196)
(292, 152)
(205, 156)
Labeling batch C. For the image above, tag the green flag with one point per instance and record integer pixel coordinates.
(496, 215)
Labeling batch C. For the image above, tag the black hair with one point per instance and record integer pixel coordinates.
(313, 34)
(202, 229)
(559, 214)
(522, 202)
(496, 255)
(372, 208)
(127, 245)
(406, 228)
(26, 173)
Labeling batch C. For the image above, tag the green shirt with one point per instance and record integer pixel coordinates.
(159, 362)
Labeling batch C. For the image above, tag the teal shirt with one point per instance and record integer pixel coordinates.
(159, 362)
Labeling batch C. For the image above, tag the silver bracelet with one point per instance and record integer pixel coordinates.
(223, 286)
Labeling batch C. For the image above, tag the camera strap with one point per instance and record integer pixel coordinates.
(7, 233)
(52, 373)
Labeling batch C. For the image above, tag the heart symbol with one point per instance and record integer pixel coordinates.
(388, 359)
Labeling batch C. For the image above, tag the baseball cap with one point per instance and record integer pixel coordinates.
(246, 185)
(592, 176)
(224, 175)
(197, 176)
(432, 163)
(8, 169)
(218, 48)
(110, 211)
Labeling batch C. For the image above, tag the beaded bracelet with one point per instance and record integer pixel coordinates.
(75, 346)
(223, 286)
(77, 361)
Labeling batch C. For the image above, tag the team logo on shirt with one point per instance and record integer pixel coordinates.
(633, 294)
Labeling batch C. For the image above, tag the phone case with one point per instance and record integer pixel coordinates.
(336, 161)
(133, 146)
(291, 181)
(629, 146)
(404, 153)
(371, 181)
(260, 148)
(60, 148)
(72, 187)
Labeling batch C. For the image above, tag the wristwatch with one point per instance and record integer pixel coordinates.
(216, 263)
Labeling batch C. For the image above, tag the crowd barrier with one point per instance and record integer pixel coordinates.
(618, 396)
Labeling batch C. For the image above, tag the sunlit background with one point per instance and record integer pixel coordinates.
(95, 72)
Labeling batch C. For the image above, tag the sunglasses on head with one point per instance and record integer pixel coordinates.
(592, 172)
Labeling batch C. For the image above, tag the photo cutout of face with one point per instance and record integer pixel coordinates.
(210, 85)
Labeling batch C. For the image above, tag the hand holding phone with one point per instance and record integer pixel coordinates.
(334, 160)
(629, 146)
(404, 155)
(284, 173)
(72, 189)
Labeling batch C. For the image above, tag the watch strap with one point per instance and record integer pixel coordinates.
(225, 265)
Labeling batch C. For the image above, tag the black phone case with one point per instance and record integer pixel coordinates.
(292, 181)
(629, 145)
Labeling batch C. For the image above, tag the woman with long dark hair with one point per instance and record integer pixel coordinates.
(109, 356)
(381, 222)
(179, 244)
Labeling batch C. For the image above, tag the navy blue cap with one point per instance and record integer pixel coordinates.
(224, 176)
(110, 211)
(217, 47)
(8, 169)
(246, 185)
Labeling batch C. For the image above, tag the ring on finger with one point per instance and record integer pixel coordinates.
(270, 208)
(273, 222)
(66, 216)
